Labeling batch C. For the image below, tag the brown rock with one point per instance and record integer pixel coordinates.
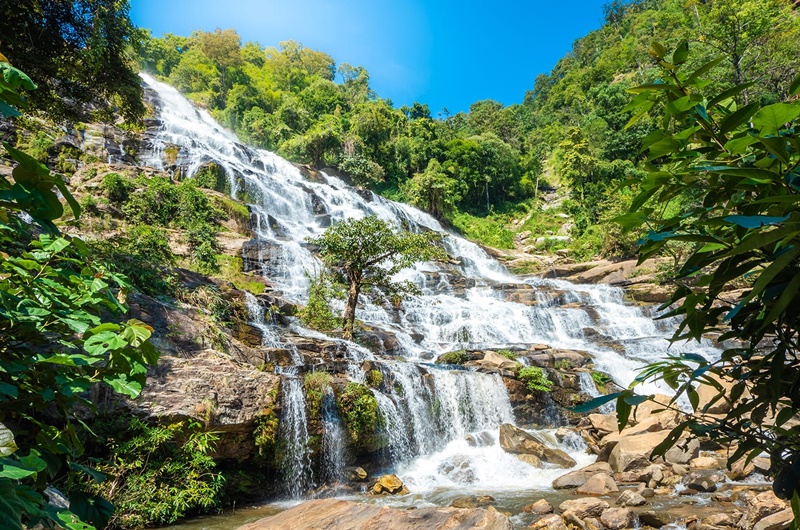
(633, 452)
(541, 507)
(359, 474)
(550, 522)
(573, 521)
(576, 478)
(388, 484)
(777, 521)
(598, 485)
(333, 514)
(531, 460)
(721, 519)
(704, 462)
(759, 507)
(515, 440)
(604, 423)
(618, 518)
(584, 507)
(472, 501)
(739, 470)
(631, 498)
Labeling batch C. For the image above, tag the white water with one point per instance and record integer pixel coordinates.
(427, 411)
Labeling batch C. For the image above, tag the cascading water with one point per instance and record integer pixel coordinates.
(333, 443)
(426, 410)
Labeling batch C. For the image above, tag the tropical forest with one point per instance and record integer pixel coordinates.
(240, 288)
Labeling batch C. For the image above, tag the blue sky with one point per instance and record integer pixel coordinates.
(445, 53)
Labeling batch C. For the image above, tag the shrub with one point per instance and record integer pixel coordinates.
(315, 384)
(535, 379)
(116, 187)
(453, 357)
(563, 364)
(374, 378)
(317, 313)
(600, 381)
(359, 410)
(508, 354)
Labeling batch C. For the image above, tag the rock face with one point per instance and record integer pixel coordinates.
(211, 389)
(332, 514)
(515, 440)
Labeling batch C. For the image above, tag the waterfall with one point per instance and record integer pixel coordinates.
(298, 477)
(333, 443)
(256, 314)
(472, 302)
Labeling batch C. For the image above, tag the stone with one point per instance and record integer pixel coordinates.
(472, 501)
(334, 514)
(495, 362)
(704, 462)
(550, 522)
(647, 493)
(598, 485)
(678, 469)
(704, 482)
(632, 452)
(531, 460)
(573, 521)
(759, 508)
(740, 471)
(631, 498)
(359, 474)
(720, 519)
(540, 507)
(576, 478)
(618, 518)
(586, 507)
(388, 484)
(515, 440)
(708, 393)
(683, 451)
(777, 521)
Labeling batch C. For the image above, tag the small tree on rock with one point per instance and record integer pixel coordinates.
(366, 254)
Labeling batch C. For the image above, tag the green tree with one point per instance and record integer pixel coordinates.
(365, 254)
(434, 190)
(732, 171)
(78, 52)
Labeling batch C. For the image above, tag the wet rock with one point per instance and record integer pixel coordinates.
(759, 507)
(598, 485)
(618, 518)
(472, 501)
(721, 519)
(480, 439)
(333, 514)
(515, 440)
(740, 470)
(573, 521)
(550, 522)
(389, 485)
(458, 469)
(631, 498)
(539, 507)
(584, 507)
(531, 460)
(359, 474)
(704, 482)
(577, 478)
(493, 362)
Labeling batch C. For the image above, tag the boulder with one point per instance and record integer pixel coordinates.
(777, 521)
(388, 485)
(515, 440)
(604, 423)
(704, 462)
(631, 498)
(358, 474)
(739, 470)
(495, 362)
(618, 518)
(550, 522)
(539, 507)
(760, 507)
(598, 485)
(472, 501)
(722, 519)
(584, 508)
(704, 482)
(576, 478)
(333, 514)
(632, 452)
(531, 460)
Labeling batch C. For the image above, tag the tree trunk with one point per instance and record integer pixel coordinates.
(349, 317)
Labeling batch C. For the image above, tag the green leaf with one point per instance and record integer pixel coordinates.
(793, 89)
(96, 475)
(595, 403)
(754, 221)
(771, 118)
(670, 440)
(727, 94)
(623, 410)
(11, 509)
(739, 117)
(121, 384)
(704, 69)
(73, 204)
(681, 53)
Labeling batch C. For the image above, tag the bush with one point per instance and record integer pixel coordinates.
(508, 354)
(535, 379)
(600, 381)
(563, 364)
(359, 410)
(160, 473)
(453, 357)
(315, 384)
(116, 187)
(374, 378)
(317, 313)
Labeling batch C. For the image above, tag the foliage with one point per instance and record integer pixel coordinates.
(733, 166)
(601, 380)
(563, 364)
(490, 230)
(317, 312)
(453, 357)
(315, 384)
(78, 50)
(364, 255)
(268, 426)
(158, 474)
(535, 379)
(508, 354)
(374, 378)
(56, 342)
(359, 410)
